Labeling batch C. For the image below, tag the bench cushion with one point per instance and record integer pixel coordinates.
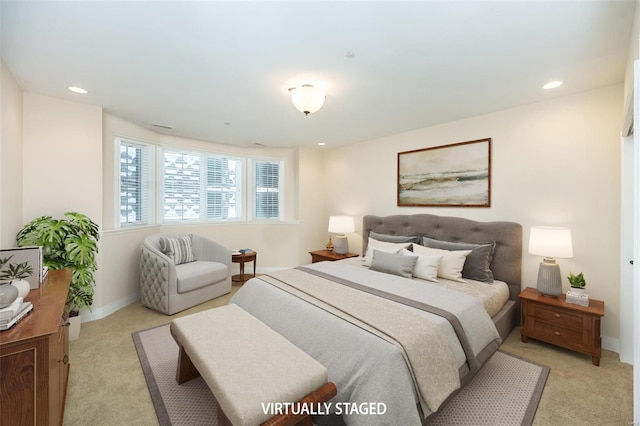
(194, 275)
(245, 363)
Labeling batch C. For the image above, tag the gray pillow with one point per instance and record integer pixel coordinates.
(390, 263)
(177, 249)
(393, 238)
(477, 266)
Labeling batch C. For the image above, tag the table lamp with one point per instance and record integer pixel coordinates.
(550, 242)
(340, 225)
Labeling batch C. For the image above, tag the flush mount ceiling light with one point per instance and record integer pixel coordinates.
(307, 99)
(78, 90)
(552, 85)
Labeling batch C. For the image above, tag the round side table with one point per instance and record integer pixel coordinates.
(242, 258)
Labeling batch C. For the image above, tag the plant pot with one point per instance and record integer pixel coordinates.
(74, 327)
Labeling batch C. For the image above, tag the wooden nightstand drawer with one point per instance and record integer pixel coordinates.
(557, 317)
(552, 333)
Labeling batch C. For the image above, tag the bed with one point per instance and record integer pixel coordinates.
(395, 362)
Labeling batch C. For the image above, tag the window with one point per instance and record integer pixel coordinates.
(267, 184)
(169, 185)
(135, 193)
(201, 186)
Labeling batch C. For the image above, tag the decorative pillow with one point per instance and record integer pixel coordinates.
(391, 263)
(383, 246)
(478, 264)
(178, 249)
(393, 238)
(426, 266)
(452, 262)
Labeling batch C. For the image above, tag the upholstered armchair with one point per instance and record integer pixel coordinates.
(178, 271)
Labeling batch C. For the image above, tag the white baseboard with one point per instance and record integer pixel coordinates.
(104, 311)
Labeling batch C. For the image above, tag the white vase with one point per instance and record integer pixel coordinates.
(23, 287)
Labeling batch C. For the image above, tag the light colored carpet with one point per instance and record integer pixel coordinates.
(506, 391)
(107, 386)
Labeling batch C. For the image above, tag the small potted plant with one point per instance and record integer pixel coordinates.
(577, 283)
(15, 274)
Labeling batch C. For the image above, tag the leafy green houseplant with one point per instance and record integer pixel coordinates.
(71, 242)
(576, 281)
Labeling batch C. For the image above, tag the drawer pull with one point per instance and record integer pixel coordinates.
(557, 333)
(557, 315)
(65, 359)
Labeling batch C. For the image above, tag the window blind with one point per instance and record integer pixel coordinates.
(200, 186)
(267, 190)
(135, 164)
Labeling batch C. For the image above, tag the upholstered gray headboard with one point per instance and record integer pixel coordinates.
(507, 260)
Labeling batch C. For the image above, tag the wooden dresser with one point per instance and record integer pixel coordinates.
(34, 358)
(562, 324)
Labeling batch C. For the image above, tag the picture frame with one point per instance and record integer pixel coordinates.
(454, 175)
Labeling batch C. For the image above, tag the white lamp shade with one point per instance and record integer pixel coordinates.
(307, 99)
(341, 224)
(550, 242)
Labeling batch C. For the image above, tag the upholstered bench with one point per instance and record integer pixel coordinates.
(247, 365)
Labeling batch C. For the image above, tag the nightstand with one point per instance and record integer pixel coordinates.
(562, 324)
(322, 255)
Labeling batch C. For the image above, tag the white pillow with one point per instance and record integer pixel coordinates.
(382, 246)
(451, 264)
(426, 266)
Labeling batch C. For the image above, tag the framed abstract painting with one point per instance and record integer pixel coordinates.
(455, 175)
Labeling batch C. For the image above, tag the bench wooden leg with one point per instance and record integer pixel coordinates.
(186, 370)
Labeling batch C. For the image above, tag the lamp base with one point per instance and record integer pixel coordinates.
(549, 279)
(341, 245)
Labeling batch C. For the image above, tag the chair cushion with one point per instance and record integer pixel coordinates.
(194, 275)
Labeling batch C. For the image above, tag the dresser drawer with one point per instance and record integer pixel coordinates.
(558, 317)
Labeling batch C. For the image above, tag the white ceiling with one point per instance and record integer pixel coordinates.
(219, 71)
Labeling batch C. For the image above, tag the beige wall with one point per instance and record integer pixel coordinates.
(62, 158)
(10, 158)
(554, 163)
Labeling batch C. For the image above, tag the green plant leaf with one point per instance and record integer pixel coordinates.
(67, 243)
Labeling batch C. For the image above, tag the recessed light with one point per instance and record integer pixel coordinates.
(321, 144)
(78, 90)
(552, 85)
